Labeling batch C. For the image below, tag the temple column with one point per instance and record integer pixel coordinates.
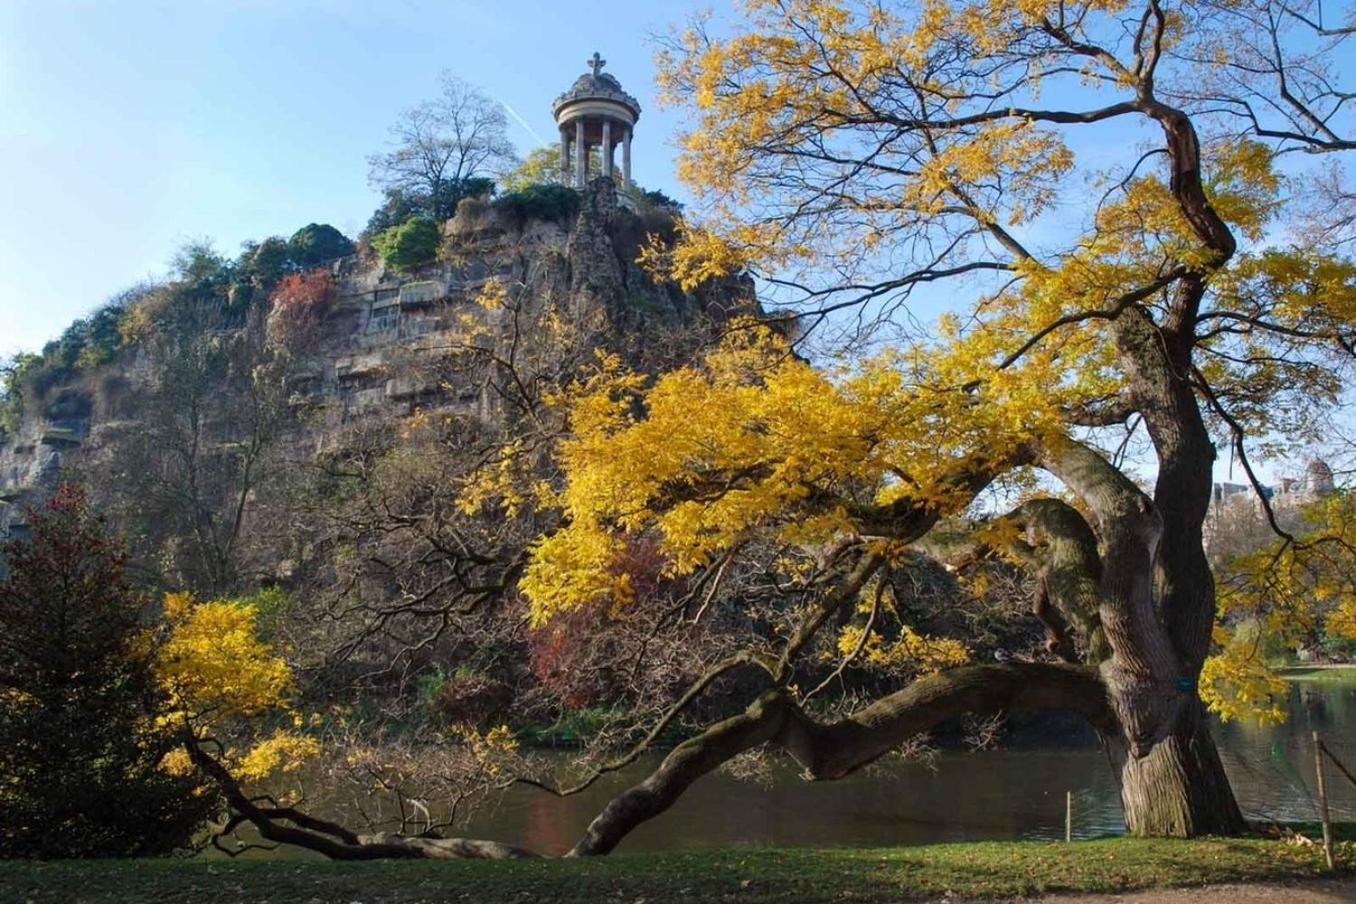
(626, 156)
(564, 153)
(581, 154)
(607, 147)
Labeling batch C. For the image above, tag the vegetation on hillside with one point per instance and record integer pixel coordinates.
(203, 291)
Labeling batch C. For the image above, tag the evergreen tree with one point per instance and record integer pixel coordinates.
(82, 761)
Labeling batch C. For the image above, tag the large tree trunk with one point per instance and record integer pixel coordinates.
(1179, 788)
(1156, 605)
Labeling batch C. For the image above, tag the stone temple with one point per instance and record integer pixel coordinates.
(595, 113)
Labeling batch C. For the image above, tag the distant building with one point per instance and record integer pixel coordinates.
(1236, 509)
(1317, 480)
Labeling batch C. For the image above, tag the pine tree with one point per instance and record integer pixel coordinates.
(82, 761)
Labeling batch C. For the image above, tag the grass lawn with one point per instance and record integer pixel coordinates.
(1343, 673)
(984, 870)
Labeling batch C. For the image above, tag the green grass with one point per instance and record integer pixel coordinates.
(1342, 673)
(979, 870)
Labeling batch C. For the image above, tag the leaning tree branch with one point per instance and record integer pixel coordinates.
(285, 825)
(835, 750)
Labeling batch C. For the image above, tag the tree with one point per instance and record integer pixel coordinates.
(409, 245)
(83, 749)
(1294, 592)
(541, 166)
(853, 154)
(298, 306)
(317, 243)
(441, 146)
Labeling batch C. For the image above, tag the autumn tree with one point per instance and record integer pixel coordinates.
(297, 307)
(855, 155)
(441, 147)
(83, 748)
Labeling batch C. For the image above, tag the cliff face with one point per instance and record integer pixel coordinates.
(381, 352)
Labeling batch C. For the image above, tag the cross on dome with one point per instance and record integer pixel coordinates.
(596, 64)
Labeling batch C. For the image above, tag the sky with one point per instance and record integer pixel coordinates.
(131, 127)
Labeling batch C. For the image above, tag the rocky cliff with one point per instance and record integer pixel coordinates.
(382, 350)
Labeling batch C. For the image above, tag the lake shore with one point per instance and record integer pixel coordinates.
(1322, 670)
(973, 871)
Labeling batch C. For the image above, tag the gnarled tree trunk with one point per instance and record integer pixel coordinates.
(1178, 788)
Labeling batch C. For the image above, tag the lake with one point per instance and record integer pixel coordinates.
(1014, 793)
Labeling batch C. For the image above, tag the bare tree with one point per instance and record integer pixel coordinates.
(440, 144)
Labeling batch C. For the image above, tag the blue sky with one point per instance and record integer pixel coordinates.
(128, 128)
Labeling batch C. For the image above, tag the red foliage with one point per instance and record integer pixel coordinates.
(572, 657)
(579, 656)
(298, 305)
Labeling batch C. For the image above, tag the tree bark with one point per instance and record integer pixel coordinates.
(1156, 606)
(1179, 788)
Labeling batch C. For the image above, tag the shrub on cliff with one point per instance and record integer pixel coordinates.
(412, 243)
(318, 243)
(297, 306)
(539, 202)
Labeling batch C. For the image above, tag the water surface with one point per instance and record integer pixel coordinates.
(990, 795)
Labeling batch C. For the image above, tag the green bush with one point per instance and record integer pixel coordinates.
(411, 244)
(272, 605)
(316, 244)
(539, 202)
(400, 205)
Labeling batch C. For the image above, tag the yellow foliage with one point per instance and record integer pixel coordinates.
(919, 653)
(494, 750)
(283, 752)
(695, 257)
(220, 676)
(1237, 684)
(213, 663)
(493, 295)
(1281, 594)
(754, 439)
(177, 762)
(1341, 621)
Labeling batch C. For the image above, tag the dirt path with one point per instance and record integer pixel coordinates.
(1323, 891)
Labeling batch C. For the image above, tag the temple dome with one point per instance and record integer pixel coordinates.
(592, 87)
(1318, 476)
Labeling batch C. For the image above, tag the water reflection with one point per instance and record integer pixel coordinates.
(1014, 793)
(1005, 794)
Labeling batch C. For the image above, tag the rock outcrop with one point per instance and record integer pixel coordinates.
(376, 355)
